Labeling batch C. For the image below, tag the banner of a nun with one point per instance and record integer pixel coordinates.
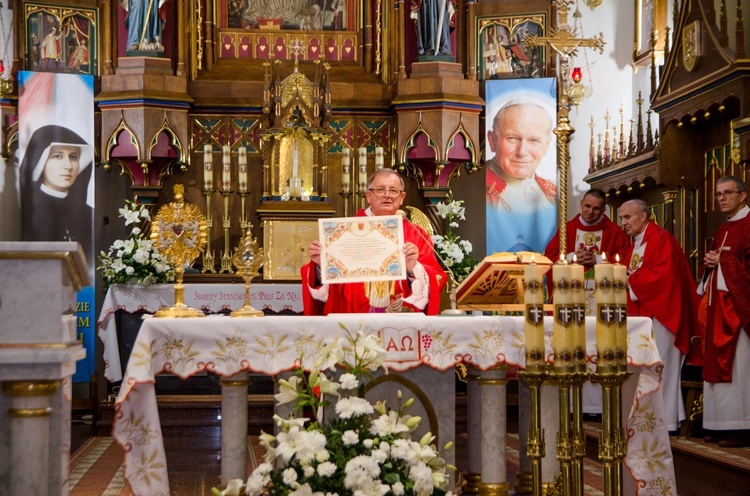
(521, 175)
(56, 157)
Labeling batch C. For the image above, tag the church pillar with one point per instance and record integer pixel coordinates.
(234, 427)
(183, 36)
(492, 384)
(29, 414)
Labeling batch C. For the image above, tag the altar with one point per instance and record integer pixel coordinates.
(281, 299)
(272, 345)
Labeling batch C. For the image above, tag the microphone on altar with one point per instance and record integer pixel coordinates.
(453, 310)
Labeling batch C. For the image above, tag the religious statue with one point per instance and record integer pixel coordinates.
(50, 49)
(145, 23)
(433, 20)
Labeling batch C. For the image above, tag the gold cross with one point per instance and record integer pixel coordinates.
(563, 37)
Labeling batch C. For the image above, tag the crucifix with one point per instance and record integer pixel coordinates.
(564, 42)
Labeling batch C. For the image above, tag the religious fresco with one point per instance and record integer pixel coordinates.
(60, 39)
(303, 15)
(501, 49)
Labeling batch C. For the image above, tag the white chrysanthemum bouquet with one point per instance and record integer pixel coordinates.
(455, 253)
(134, 260)
(363, 450)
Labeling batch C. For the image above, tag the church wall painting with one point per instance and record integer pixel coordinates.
(61, 39)
(305, 15)
(501, 49)
(56, 157)
(520, 164)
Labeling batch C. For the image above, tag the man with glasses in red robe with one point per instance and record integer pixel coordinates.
(419, 292)
(725, 287)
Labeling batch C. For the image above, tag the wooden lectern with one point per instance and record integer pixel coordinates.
(496, 283)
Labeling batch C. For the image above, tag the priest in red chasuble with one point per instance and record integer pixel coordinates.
(419, 292)
(661, 286)
(590, 235)
(725, 287)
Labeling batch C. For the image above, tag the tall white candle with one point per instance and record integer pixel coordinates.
(562, 331)
(208, 174)
(534, 313)
(362, 169)
(620, 278)
(345, 172)
(379, 157)
(606, 342)
(295, 157)
(242, 161)
(226, 173)
(578, 297)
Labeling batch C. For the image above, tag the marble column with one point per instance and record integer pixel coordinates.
(29, 415)
(474, 432)
(234, 427)
(494, 416)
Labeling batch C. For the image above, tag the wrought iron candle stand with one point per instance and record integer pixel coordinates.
(208, 255)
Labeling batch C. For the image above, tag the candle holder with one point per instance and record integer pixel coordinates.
(346, 195)
(613, 442)
(248, 258)
(226, 258)
(243, 215)
(452, 284)
(579, 377)
(208, 255)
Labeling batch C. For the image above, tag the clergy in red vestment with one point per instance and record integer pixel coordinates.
(590, 235)
(661, 286)
(724, 286)
(425, 279)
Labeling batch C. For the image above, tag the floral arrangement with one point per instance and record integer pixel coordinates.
(363, 449)
(134, 260)
(455, 253)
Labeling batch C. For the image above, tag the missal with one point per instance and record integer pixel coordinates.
(362, 249)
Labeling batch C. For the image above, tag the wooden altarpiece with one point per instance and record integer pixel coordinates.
(295, 166)
(496, 283)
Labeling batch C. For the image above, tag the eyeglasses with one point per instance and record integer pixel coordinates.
(726, 194)
(385, 191)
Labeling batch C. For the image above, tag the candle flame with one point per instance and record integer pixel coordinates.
(533, 259)
(604, 257)
(575, 258)
(617, 258)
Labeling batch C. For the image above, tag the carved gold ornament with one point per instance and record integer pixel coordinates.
(179, 233)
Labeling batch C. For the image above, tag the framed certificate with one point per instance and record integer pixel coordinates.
(362, 249)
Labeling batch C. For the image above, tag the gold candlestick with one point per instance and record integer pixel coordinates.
(243, 215)
(179, 233)
(208, 255)
(226, 258)
(248, 258)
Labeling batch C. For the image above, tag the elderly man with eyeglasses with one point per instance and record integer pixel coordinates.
(724, 286)
(419, 292)
(661, 286)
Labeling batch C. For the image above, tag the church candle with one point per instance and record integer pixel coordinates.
(295, 157)
(242, 162)
(345, 172)
(379, 157)
(606, 342)
(226, 174)
(562, 331)
(620, 278)
(208, 174)
(362, 169)
(534, 312)
(578, 297)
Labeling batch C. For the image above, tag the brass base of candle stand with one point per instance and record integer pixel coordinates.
(494, 488)
(524, 483)
(534, 376)
(472, 483)
(612, 443)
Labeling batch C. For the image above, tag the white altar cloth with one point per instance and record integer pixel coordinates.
(211, 297)
(270, 345)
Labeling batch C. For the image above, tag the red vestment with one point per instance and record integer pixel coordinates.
(728, 312)
(352, 298)
(614, 240)
(665, 287)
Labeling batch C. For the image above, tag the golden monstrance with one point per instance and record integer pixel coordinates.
(179, 233)
(247, 259)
